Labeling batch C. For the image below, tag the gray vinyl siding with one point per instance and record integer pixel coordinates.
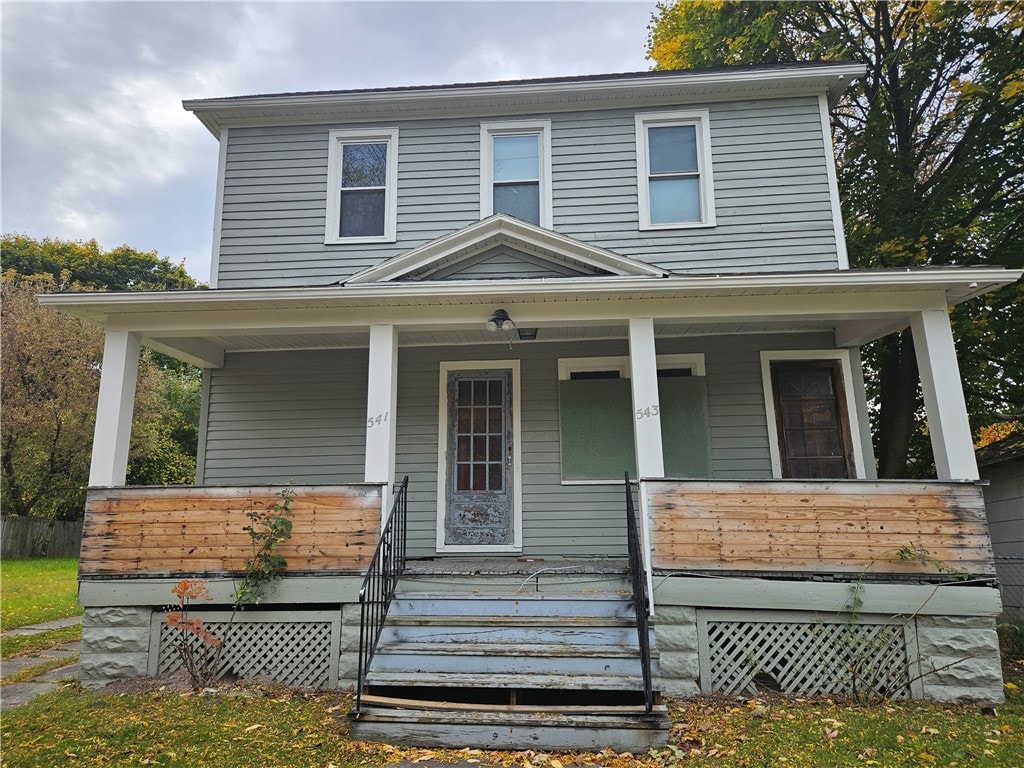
(286, 417)
(769, 164)
(276, 417)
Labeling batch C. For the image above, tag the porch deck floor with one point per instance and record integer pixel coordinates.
(505, 566)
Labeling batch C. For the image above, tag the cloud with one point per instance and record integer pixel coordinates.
(95, 142)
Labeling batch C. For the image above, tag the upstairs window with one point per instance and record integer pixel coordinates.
(362, 186)
(515, 171)
(674, 170)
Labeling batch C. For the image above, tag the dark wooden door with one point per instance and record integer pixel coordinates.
(479, 494)
(811, 416)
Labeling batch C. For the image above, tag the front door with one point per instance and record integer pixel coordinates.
(479, 498)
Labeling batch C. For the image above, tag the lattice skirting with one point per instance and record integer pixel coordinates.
(803, 653)
(297, 648)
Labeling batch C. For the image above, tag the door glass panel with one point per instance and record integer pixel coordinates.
(480, 435)
(814, 439)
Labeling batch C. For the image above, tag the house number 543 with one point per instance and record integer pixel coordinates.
(646, 413)
(376, 421)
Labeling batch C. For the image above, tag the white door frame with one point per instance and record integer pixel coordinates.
(446, 367)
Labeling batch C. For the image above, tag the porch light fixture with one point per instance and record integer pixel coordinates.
(499, 319)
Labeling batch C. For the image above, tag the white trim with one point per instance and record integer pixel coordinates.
(643, 367)
(948, 424)
(500, 98)
(620, 363)
(368, 135)
(113, 430)
(701, 120)
(931, 284)
(833, 183)
(381, 412)
(500, 229)
(218, 209)
(204, 426)
(540, 128)
(843, 356)
(447, 366)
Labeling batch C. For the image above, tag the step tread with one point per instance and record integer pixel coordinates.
(372, 701)
(506, 680)
(490, 620)
(456, 648)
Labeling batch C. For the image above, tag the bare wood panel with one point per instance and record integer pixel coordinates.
(824, 527)
(188, 530)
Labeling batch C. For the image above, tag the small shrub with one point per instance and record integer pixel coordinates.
(198, 648)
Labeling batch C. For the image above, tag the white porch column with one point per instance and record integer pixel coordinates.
(381, 400)
(943, 395)
(114, 409)
(650, 461)
(643, 371)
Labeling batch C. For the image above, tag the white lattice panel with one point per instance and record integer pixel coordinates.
(811, 658)
(281, 647)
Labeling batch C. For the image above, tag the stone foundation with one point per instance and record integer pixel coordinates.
(115, 644)
(958, 660)
(675, 630)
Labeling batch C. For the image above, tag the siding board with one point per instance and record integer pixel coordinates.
(769, 171)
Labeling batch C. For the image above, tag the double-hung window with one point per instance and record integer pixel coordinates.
(362, 186)
(515, 170)
(674, 170)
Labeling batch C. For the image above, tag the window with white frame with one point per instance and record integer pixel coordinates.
(362, 186)
(674, 181)
(515, 170)
(596, 418)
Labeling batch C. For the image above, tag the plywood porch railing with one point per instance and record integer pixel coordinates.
(190, 530)
(842, 527)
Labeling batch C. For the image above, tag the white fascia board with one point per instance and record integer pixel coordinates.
(961, 285)
(500, 98)
(513, 232)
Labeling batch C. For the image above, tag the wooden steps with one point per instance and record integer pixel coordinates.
(509, 671)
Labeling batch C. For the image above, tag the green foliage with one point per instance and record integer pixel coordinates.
(930, 155)
(38, 590)
(87, 266)
(51, 370)
(267, 528)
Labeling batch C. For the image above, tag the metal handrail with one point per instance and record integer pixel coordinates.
(378, 586)
(638, 576)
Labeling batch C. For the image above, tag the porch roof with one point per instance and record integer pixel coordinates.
(858, 305)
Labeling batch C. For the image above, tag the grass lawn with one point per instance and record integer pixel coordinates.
(73, 727)
(37, 590)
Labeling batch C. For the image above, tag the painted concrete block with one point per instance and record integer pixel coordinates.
(122, 616)
(679, 665)
(116, 639)
(98, 669)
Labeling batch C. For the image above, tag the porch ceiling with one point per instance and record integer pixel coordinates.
(199, 326)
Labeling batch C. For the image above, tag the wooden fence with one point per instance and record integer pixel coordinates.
(24, 537)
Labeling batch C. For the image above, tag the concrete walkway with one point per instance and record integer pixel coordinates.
(19, 693)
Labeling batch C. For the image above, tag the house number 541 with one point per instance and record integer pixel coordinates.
(646, 413)
(376, 421)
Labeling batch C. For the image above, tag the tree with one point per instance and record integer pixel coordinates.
(930, 154)
(50, 372)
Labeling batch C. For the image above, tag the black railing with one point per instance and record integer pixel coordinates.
(378, 587)
(638, 575)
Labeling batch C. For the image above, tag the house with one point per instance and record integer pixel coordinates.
(513, 294)
(1001, 464)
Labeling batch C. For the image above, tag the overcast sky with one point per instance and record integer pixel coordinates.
(95, 143)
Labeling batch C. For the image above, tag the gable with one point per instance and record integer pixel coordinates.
(501, 246)
(501, 262)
